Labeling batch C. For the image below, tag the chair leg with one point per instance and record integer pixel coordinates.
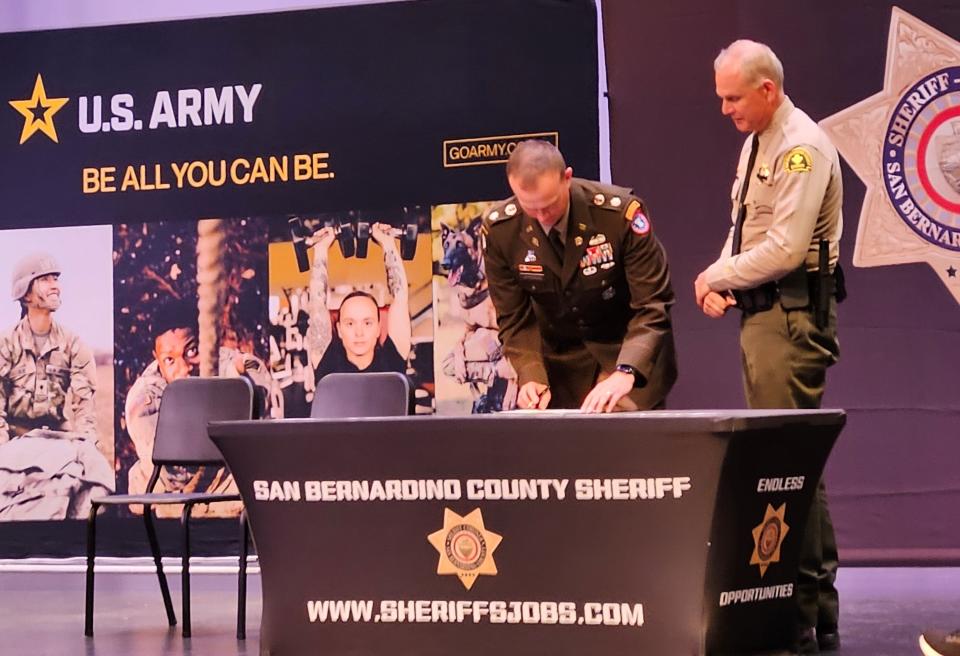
(158, 564)
(242, 578)
(185, 576)
(91, 554)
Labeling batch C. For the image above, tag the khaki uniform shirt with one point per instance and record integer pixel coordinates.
(34, 382)
(607, 303)
(793, 201)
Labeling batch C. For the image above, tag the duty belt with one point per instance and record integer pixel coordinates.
(799, 289)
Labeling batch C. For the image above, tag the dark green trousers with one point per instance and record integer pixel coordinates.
(785, 358)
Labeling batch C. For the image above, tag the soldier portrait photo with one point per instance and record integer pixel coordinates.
(350, 292)
(159, 324)
(473, 374)
(56, 373)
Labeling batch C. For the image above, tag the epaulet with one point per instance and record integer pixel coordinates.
(607, 196)
(500, 212)
(623, 201)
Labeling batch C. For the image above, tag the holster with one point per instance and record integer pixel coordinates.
(799, 290)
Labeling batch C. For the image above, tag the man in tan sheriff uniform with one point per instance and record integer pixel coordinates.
(581, 288)
(41, 361)
(779, 267)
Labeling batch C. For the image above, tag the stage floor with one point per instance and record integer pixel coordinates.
(41, 614)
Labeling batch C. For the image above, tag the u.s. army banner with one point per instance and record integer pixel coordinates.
(274, 196)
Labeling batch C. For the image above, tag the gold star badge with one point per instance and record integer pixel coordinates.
(466, 547)
(768, 535)
(34, 119)
(904, 144)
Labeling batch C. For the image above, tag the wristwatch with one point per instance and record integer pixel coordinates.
(627, 369)
(638, 379)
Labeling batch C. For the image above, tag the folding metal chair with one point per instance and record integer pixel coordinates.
(186, 407)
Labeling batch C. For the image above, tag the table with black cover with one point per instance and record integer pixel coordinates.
(708, 568)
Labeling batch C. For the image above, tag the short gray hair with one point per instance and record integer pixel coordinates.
(532, 158)
(756, 61)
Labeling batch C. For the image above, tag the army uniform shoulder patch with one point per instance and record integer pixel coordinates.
(639, 223)
(798, 160)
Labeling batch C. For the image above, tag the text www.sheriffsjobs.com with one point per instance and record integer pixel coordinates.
(494, 612)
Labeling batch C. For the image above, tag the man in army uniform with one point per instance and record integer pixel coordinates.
(581, 288)
(779, 267)
(176, 355)
(41, 361)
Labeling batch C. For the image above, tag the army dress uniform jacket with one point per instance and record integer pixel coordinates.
(606, 304)
(34, 386)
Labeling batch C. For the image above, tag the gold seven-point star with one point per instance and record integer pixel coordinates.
(38, 111)
(768, 536)
(466, 547)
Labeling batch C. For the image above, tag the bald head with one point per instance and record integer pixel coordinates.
(754, 61)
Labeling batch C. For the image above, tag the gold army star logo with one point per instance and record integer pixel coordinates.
(904, 144)
(38, 112)
(466, 547)
(768, 535)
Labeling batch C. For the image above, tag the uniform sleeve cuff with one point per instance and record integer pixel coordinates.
(532, 373)
(715, 275)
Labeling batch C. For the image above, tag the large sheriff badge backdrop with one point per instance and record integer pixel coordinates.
(225, 184)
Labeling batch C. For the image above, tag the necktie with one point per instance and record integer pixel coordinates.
(554, 237)
(742, 212)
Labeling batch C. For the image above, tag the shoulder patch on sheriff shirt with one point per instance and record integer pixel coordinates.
(798, 160)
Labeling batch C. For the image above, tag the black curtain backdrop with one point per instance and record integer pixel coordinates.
(892, 477)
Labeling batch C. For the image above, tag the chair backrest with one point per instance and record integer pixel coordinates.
(187, 405)
(374, 394)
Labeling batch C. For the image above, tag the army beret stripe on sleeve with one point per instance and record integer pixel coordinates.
(798, 160)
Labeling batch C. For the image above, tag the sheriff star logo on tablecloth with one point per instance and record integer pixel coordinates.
(904, 144)
(38, 112)
(768, 536)
(466, 547)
